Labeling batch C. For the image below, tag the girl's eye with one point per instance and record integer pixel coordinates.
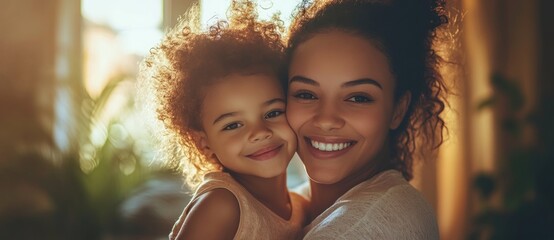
(274, 114)
(304, 95)
(359, 99)
(232, 126)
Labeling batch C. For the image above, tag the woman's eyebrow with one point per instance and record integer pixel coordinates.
(362, 81)
(303, 79)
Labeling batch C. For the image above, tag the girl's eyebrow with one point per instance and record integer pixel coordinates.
(275, 100)
(230, 114)
(352, 83)
(223, 116)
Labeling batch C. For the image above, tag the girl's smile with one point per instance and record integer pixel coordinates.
(266, 153)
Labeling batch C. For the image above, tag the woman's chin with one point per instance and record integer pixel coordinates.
(326, 176)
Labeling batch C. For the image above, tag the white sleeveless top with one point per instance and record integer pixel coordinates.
(256, 220)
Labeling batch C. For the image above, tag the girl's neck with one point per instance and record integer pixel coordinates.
(272, 192)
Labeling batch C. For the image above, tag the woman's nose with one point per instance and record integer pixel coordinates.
(327, 118)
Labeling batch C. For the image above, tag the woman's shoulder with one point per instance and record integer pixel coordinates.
(388, 182)
(388, 193)
(384, 207)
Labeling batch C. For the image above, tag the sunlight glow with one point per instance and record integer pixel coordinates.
(117, 34)
(124, 14)
(138, 24)
(214, 10)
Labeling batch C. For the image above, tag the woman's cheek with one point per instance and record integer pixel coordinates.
(295, 116)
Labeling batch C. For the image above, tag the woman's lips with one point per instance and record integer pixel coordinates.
(265, 153)
(328, 148)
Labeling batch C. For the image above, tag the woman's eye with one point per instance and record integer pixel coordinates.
(232, 126)
(274, 113)
(304, 95)
(359, 99)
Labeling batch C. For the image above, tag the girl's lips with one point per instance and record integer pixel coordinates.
(340, 146)
(265, 153)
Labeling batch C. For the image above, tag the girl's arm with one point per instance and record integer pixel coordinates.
(215, 215)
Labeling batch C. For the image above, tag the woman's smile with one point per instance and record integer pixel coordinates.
(325, 147)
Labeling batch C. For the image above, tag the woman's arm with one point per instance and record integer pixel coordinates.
(215, 215)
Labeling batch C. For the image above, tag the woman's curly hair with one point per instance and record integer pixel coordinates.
(176, 73)
(406, 31)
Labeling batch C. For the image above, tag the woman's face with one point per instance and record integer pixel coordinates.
(340, 105)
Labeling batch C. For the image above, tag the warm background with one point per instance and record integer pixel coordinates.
(76, 160)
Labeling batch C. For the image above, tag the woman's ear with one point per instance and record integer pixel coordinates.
(400, 109)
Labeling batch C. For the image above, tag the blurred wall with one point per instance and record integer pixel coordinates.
(511, 39)
(27, 74)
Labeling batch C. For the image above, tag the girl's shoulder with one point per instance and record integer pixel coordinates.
(214, 202)
(217, 206)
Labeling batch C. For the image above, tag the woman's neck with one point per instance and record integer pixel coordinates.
(325, 195)
(272, 192)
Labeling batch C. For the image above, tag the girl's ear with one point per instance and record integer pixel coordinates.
(400, 109)
(202, 143)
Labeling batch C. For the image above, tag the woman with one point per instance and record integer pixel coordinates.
(363, 89)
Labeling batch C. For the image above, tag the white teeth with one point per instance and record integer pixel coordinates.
(328, 147)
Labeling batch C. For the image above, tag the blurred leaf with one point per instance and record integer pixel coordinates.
(512, 126)
(489, 102)
(485, 185)
(520, 177)
(106, 93)
(509, 88)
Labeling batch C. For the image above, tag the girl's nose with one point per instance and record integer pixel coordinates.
(260, 132)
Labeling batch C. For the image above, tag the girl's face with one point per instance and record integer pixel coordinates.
(340, 105)
(243, 117)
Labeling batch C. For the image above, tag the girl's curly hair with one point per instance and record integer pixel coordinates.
(406, 31)
(175, 75)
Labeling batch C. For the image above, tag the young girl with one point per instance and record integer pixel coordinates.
(219, 93)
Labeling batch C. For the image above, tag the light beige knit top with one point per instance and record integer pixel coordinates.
(256, 220)
(383, 207)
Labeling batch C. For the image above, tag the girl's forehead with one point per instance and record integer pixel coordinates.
(244, 86)
(240, 95)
